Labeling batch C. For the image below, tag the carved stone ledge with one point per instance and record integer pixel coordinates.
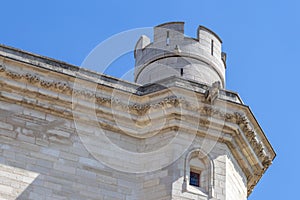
(35, 79)
(102, 100)
(244, 124)
(13, 75)
(32, 78)
(141, 109)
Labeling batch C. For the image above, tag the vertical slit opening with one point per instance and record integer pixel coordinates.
(212, 47)
(181, 71)
(168, 38)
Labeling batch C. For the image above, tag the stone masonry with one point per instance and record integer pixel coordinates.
(71, 133)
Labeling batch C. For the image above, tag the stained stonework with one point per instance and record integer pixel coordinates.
(58, 123)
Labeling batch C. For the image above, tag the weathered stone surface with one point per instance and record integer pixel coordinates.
(92, 136)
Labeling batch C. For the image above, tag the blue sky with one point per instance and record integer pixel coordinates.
(261, 39)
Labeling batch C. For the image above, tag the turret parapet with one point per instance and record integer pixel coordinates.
(171, 53)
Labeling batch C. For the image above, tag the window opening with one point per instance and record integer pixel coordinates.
(195, 178)
(168, 38)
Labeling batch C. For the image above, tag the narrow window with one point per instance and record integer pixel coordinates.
(212, 47)
(195, 178)
(181, 71)
(168, 38)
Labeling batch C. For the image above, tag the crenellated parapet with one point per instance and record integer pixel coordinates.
(172, 53)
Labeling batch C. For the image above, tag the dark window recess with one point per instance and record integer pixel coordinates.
(212, 47)
(181, 71)
(194, 179)
(168, 38)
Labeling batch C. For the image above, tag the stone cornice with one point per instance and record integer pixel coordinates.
(245, 131)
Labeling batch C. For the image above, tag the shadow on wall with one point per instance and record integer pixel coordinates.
(14, 181)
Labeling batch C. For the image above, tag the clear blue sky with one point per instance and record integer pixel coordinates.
(261, 38)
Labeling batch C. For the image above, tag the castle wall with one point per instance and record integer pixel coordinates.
(69, 133)
(42, 157)
(235, 180)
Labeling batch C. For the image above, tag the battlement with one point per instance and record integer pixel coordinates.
(172, 53)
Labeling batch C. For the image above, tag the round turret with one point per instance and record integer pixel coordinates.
(172, 54)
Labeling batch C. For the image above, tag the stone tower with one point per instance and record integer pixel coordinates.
(232, 171)
(172, 53)
(71, 133)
